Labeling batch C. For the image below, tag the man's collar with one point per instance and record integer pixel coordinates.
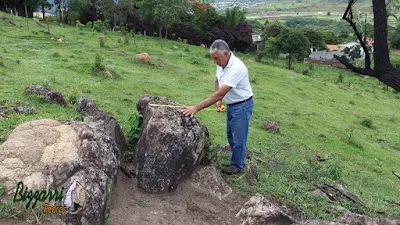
(230, 62)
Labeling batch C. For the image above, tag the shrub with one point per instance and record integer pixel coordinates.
(368, 123)
(259, 57)
(157, 62)
(56, 54)
(340, 79)
(133, 134)
(305, 72)
(98, 64)
(102, 42)
(100, 26)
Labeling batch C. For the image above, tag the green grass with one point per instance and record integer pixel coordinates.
(316, 114)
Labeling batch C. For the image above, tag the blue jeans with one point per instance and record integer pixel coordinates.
(237, 128)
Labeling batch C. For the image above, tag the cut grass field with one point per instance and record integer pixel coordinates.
(351, 120)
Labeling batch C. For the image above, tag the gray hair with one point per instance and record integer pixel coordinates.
(219, 45)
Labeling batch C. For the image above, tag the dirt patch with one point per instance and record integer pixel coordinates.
(184, 206)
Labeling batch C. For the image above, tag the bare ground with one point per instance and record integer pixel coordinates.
(184, 206)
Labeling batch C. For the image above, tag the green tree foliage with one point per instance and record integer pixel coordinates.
(76, 9)
(233, 17)
(163, 13)
(294, 43)
(41, 4)
(272, 48)
(205, 21)
(335, 32)
(393, 7)
(315, 37)
(273, 29)
(116, 11)
(395, 38)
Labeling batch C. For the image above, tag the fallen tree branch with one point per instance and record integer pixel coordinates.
(368, 72)
(336, 193)
(396, 174)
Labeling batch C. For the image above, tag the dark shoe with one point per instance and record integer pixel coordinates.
(229, 170)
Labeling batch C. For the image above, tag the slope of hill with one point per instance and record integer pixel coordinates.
(350, 121)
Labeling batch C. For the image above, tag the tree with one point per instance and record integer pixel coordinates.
(116, 11)
(383, 71)
(393, 6)
(294, 43)
(163, 13)
(272, 48)
(315, 37)
(243, 38)
(273, 29)
(395, 38)
(234, 16)
(42, 4)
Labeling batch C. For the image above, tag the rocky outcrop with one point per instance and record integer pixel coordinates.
(82, 159)
(271, 126)
(259, 211)
(169, 147)
(46, 93)
(143, 57)
(209, 181)
(352, 218)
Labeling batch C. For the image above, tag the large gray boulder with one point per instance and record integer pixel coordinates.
(260, 211)
(209, 181)
(169, 147)
(349, 218)
(82, 159)
(353, 218)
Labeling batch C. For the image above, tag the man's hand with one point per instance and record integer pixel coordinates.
(190, 111)
(218, 105)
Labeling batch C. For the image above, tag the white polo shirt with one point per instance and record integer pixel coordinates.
(235, 75)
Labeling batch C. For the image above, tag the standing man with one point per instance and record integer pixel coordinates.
(233, 86)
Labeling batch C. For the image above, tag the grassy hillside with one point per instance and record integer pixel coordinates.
(352, 121)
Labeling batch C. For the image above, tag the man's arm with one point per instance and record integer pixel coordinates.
(219, 102)
(216, 96)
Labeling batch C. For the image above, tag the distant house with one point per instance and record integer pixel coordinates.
(332, 48)
(337, 50)
(40, 14)
(257, 41)
(324, 55)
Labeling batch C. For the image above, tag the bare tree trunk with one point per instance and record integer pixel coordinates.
(43, 13)
(383, 71)
(26, 15)
(160, 35)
